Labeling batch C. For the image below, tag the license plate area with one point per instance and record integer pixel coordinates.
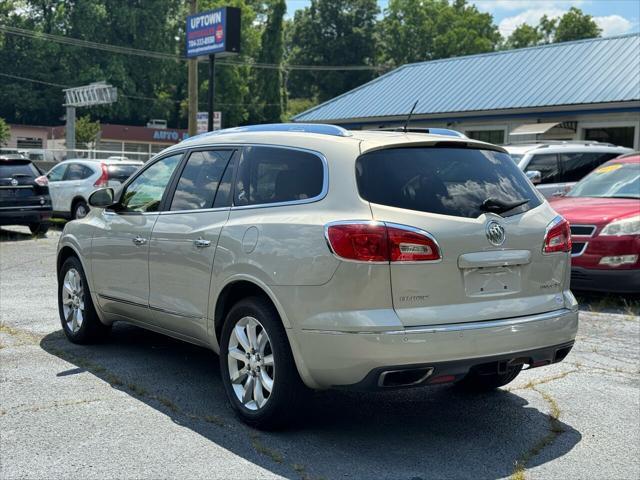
(492, 281)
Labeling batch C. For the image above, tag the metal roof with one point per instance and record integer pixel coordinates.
(601, 70)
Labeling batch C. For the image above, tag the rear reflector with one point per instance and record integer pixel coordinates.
(558, 236)
(380, 242)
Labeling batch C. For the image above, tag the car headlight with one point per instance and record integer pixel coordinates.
(626, 226)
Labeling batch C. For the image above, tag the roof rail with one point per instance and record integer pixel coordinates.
(433, 131)
(319, 128)
(543, 143)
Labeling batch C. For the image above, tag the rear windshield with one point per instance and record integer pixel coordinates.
(461, 182)
(121, 172)
(10, 169)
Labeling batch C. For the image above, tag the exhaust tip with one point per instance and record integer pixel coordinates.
(405, 377)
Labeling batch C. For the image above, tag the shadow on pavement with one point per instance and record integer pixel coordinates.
(410, 434)
(18, 233)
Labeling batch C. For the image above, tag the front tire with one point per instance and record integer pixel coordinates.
(78, 315)
(258, 371)
(475, 382)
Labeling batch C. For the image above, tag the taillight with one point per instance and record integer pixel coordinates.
(380, 242)
(103, 180)
(43, 181)
(558, 236)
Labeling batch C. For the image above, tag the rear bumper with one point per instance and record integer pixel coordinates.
(614, 281)
(25, 215)
(345, 359)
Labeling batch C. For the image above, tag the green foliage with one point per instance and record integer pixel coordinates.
(573, 25)
(4, 132)
(267, 91)
(524, 36)
(86, 130)
(298, 105)
(332, 32)
(420, 30)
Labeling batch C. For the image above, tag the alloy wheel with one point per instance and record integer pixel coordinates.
(251, 363)
(73, 300)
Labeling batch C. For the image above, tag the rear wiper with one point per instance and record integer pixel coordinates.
(494, 205)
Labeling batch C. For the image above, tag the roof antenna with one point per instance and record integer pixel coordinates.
(406, 123)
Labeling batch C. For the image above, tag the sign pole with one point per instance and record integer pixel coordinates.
(193, 82)
(70, 129)
(212, 90)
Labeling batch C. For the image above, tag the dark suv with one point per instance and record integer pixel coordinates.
(24, 194)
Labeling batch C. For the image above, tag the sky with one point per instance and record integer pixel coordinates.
(615, 17)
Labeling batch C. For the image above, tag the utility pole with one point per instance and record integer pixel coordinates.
(193, 82)
(212, 90)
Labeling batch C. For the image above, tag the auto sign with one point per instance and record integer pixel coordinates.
(214, 32)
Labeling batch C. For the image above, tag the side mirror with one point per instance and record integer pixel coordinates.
(535, 176)
(101, 198)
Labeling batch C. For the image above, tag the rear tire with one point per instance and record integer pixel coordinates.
(78, 315)
(80, 210)
(475, 382)
(261, 356)
(39, 228)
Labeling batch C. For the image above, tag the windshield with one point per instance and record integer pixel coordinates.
(612, 180)
(461, 182)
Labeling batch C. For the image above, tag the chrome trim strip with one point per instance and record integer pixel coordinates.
(454, 327)
(135, 304)
(11, 187)
(198, 210)
(27, 207)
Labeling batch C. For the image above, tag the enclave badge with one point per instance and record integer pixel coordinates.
(495, 233)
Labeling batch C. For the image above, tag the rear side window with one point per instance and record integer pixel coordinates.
(57, 173)
(575, 166)
(273, 175)
(121, 172)
(449, 181)
(77, 171)
(199, 180)
(547, 165)
(9, 169)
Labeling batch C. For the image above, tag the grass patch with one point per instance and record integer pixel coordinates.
(266, 451)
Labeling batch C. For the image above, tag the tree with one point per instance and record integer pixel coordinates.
(332, 32)
(575, 25)
(4, 132)
(267, 85)
(524, 36)
(86, 130)
(419, 30)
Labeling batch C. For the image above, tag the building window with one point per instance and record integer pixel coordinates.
(489, 136)
(24, 142)
(622, 136)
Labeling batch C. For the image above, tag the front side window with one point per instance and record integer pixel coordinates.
(57, 173)
(200, 179)
(460, 182)
(547, 165)
(144, 193)
(576, 165)
(273, 175)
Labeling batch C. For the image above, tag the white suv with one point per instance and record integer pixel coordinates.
(554, 167)
(312, 256)
(72, 181)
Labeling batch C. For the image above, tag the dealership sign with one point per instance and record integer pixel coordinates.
(214, 32)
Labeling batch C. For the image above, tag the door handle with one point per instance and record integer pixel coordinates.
(138, 240)
(202, 243)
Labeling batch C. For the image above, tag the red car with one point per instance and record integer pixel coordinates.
(603, 210)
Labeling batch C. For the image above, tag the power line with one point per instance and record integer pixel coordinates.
(133, 97)
(22, 32)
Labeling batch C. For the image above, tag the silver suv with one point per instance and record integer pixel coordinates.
(555, 167)
(312, 257)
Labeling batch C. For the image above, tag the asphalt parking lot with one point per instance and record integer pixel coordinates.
(146, 406)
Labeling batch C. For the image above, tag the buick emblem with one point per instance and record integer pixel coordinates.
(14, 182)
(495, 233)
